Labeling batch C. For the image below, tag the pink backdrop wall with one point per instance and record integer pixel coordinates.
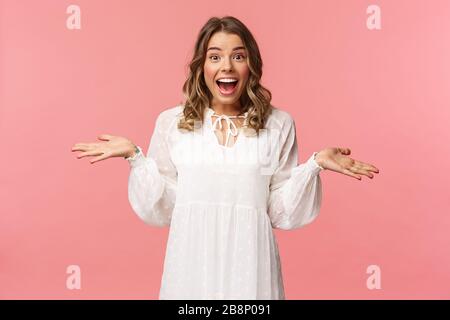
(382, 93)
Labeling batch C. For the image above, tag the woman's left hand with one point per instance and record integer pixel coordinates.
(337, 159)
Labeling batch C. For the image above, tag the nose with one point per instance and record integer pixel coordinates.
(227, 65)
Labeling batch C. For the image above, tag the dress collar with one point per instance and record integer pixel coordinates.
(232, 128)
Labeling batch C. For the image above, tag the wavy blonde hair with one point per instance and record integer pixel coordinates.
(255, 98)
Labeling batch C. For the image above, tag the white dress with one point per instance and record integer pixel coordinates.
(221, 203)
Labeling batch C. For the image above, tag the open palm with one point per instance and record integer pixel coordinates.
(338, 160)
(111, 146)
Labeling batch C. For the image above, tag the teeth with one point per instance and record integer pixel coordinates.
(227, 80)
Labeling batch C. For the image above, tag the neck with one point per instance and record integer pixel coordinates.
(227, 109)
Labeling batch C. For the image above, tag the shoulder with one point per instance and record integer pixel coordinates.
(171, 113)
(168, 117)
(280, 119)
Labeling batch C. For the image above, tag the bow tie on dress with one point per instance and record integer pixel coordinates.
(232, 129)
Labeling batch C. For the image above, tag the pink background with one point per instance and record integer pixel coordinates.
(382, 93)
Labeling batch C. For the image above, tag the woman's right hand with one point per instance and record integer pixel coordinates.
(111, 147)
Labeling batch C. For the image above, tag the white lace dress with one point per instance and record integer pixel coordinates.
(221, 203)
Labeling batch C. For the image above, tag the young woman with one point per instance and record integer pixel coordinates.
(222, 170)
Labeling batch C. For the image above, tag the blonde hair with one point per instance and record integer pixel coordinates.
(255, 99)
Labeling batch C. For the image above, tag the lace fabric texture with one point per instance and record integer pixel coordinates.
(221, 202)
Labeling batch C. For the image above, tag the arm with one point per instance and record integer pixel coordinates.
(153, 178)
(295, 190)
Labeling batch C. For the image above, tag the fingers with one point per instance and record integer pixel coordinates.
(104, 137)
(357, 169)
(79, 147)
(89, 153)
(82, 147)
(345, 151)
(360, 164)
(367, 166)
(361, 171)
(351, 174)
(102, 157)
(87, 148)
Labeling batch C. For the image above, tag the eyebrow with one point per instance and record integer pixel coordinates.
(217, 48)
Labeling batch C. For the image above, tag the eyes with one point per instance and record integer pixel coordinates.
(238, 57)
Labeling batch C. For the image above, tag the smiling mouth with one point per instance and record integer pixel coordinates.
(227, 87)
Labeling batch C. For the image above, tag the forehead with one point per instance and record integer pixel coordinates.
(225, 41)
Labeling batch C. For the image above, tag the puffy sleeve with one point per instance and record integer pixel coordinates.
(295, 191)
(152, 180)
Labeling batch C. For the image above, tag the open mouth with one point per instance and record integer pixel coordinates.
(227, 86)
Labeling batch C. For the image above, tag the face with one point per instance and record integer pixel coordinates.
(226, 69)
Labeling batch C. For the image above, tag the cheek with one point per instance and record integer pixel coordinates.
(209, 73)
(244, 72)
